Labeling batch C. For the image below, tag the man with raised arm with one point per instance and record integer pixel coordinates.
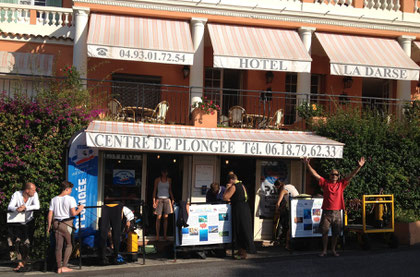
(333, 203)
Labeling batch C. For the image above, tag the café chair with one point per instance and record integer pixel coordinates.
(159, 113)
(276, 122)
(118, 113)
(237, 117)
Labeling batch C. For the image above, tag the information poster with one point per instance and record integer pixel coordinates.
(207, 224)
(203, 175)
(306, 217)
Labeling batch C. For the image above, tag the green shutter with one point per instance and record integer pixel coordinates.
(53, 3)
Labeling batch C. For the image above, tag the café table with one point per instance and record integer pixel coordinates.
(256, 121)
(140, 112)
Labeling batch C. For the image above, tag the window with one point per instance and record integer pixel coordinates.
(136, 90)
(25, 86)
(213, 84)
(290, 101)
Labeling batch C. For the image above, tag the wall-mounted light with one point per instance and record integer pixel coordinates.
(269, 76)
(174, 160)
(158, 156)
(227, 162)
(186, 71)
(347, 82)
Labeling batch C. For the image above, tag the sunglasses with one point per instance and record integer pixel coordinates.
(335, 174)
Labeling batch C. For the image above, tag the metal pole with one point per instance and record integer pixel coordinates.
(80, 242)
(45, 242)
(142, 233)
(174, 233)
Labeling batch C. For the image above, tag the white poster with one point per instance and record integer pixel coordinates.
(203, 175)
(207, 224)
(306, 217)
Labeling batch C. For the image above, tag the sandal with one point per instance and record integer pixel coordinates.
(16, 269)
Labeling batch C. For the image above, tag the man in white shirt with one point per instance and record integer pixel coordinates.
(21, 234)
(63, 210)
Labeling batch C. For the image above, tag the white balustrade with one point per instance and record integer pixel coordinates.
(46, 20)
(389, 5)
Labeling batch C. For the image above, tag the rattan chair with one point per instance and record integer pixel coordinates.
(159, 113)
(276, 122)
(116, 111)
(237, 117)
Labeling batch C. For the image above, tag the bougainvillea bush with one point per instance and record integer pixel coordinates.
(392, 150)
(34, 138)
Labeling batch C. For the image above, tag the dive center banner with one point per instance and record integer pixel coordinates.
(82, 171)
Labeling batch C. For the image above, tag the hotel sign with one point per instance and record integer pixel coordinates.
(210, 146)
(374, 72)
(250, 63)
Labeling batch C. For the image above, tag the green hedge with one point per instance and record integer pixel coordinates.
(391, 147)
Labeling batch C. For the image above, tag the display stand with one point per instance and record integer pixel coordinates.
(209, 228)
(305, 217)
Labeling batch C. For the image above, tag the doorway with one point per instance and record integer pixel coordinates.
(244, 168)
(174, 164)
(375, 93)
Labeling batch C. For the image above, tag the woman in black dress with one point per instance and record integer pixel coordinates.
(241, 216)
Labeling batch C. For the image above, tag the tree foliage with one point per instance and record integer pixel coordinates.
(392, 150)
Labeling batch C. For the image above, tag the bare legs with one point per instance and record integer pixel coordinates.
(334, 240)
(165, 226)
(158, 226)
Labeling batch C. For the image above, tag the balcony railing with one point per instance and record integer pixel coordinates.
(261, 104)
(37, 20)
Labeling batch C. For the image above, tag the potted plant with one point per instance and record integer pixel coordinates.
(407, 226)
(311, 112)
(205, 113)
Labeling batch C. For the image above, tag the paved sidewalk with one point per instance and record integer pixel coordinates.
(307, 248)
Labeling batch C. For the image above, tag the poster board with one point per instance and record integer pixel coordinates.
(203, 175)
(208, 224)
(305, 217)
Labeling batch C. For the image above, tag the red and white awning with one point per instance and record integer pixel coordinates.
(218, 141)
(416, 51)
(140, 39)
(252, 48)
(26, 63)
(360, 56)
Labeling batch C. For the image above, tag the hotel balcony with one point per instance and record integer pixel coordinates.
(136, 102)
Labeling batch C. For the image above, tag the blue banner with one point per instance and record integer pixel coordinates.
(82, 171)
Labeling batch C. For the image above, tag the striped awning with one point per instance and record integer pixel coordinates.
(26, 63)
(140, 39)
(360, 56)
(218, 141)
(242, 47)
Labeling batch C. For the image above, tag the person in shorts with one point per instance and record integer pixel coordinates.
(163, 200)
(333, 203)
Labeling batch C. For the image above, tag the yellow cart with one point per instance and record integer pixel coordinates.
(380, 201)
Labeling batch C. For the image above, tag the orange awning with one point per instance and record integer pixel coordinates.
(26, 63)
(253, 48)
(140, 39)
(360, 56)
(217, 141)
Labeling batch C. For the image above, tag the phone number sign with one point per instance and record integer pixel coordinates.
(142, 55)
(210, 146)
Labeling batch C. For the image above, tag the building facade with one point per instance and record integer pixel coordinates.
(267, 57)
